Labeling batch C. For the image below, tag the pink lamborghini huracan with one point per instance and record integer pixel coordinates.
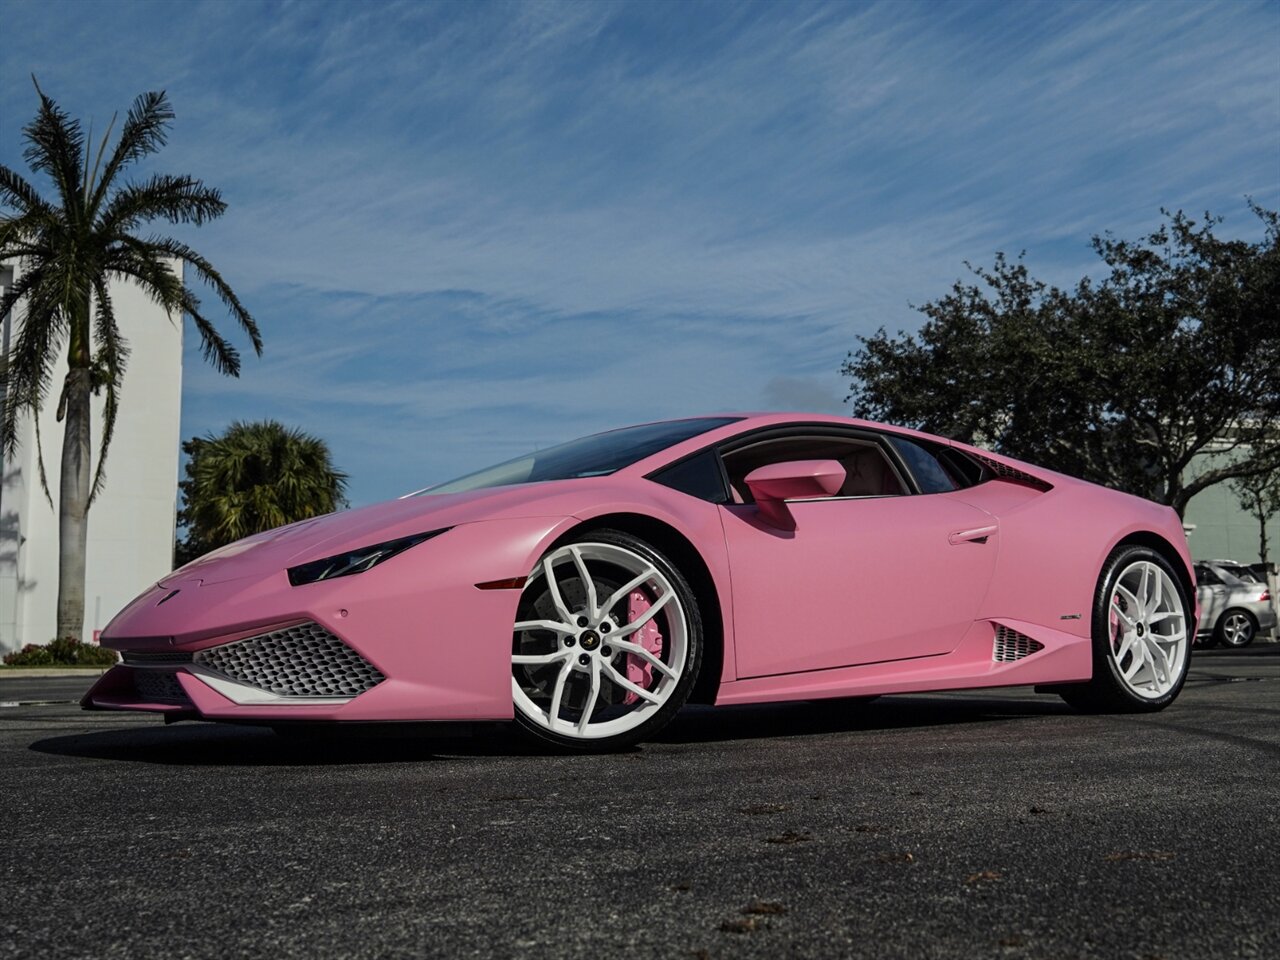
(588, 590)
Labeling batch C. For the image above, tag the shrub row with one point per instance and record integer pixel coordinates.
(67, 651)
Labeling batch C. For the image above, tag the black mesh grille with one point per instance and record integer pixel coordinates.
(302, 661)
(159, 686)
(1011, 645)
(1005, 472)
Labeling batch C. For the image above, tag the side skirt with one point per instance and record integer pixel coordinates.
(1061, 658)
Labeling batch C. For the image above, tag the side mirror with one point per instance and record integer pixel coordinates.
(773, 485)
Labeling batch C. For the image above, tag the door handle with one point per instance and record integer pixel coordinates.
(975, 535)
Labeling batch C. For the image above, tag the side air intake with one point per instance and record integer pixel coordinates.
(1005, 472)
(1011, 645)
(302, 661)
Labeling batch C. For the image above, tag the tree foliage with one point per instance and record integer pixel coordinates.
(254, 477)
(70, 247)
(1122, 381)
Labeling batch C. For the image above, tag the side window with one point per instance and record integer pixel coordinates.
(1205, 575)
(698, 476)
(868, 472)
(931, 475)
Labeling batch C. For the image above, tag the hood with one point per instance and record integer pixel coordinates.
(266, 553)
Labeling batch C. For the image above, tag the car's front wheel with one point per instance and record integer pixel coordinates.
(1141, 644)
(1236, 628)
(606, 645)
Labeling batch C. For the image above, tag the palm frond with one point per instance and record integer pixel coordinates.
(110, 360)
(91, 176)
(55, 146)
(40, 471)
(19, 194)
(178, 199)
(144, 132)
(27, 236)
(205, 271)
(132, 258)
(29, 370)
(214, 347)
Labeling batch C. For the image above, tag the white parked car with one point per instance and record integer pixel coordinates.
(1232, 611)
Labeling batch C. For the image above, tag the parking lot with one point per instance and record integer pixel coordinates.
(995, 824)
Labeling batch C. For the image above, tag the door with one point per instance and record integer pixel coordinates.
(874, 574)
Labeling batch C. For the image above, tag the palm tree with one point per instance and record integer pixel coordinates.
(70, 247)
(254, 477)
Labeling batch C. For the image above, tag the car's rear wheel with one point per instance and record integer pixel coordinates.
(606, 645)
(1236, 628)
(1141, 645)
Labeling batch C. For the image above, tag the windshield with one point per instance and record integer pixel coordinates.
(594, 456)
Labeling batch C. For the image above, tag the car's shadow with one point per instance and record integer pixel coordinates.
(207, 744)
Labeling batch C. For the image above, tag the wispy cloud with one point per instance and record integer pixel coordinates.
(467, 227)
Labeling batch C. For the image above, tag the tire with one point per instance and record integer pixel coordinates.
(1137, 668)
(573, 686)
(1236, 628)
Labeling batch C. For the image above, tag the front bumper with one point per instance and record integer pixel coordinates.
(438, 647)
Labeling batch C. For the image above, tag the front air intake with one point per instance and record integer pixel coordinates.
(1011, 645)
(159, 686)
(300, 661)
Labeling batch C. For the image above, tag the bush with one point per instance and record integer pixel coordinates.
(29, 656)
(66, 651)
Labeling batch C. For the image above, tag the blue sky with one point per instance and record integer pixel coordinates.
(471, 229)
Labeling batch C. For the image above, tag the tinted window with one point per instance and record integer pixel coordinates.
(698, 476)
(961, 468)
(931, 476)
(593, 456)
(1205, 575)
(1241, 573)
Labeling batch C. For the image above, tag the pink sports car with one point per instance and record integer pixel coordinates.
(589, 590)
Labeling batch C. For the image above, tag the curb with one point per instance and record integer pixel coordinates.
(44, 673)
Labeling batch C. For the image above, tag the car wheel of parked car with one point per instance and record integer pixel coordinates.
(1141, 647)
(606, 645)
(1236, 628)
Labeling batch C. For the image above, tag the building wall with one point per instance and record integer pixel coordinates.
(1223, 530)
(131, 524)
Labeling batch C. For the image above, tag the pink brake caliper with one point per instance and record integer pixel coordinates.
(638, 671)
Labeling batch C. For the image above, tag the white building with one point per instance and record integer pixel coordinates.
(131, 524)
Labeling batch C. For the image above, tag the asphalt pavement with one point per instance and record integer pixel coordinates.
(990, 824)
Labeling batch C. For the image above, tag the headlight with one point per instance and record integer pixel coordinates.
(356, 561)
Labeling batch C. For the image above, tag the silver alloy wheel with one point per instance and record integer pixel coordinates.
(588, 641)
(1237, 629)
(1148, 630)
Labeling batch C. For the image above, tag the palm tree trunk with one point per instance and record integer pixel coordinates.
(73, 525)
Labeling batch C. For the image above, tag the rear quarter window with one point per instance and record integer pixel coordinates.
(698, 476)
(931, 473)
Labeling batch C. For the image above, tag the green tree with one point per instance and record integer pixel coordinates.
(1122, 381)
(69, 248)
(254, 477)
(1259, 494)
